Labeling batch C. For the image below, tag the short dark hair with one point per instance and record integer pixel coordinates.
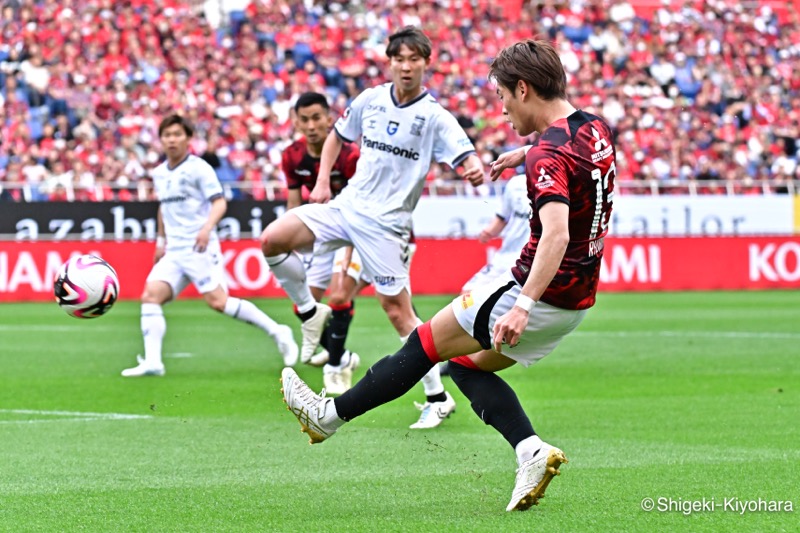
(311, 98)
(411, 37)
(176, 119)
(534, 62)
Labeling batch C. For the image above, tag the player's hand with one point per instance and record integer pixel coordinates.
(158, 255)
(485, 236)
(509, 328)
(511, 159)
(321, 193)
(473, 170)
(201, 243)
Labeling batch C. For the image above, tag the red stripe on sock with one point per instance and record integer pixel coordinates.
(426, 339)
(341, 307)
(296, 311)
(464, 360)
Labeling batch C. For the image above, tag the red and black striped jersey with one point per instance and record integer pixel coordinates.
(301, 169)
(572, 162)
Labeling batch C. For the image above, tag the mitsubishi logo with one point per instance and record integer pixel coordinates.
(600, 143)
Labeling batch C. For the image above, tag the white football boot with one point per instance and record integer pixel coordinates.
(434, 412)
(533, 476)
(309, 408)
(320, 358)
(312, 331)
(143, 369)
(284, 338)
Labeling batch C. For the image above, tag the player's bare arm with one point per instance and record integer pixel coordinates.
(161, 238)
(549, 254)
(492, 229)
(294, 197)
(510, 159)
(218, 208)
(473, 170)
(330, 152)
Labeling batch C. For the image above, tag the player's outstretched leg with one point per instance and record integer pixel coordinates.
(495, 402)
(386, 380)
(246, 311)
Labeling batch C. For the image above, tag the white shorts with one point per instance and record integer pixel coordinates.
(499, 267)
(319, 269)
(180, 267)
(478, 310)
(384, 253)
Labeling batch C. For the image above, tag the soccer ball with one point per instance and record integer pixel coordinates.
(86, 286)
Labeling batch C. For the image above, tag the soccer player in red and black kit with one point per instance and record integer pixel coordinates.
(300, 164)
(570, 170)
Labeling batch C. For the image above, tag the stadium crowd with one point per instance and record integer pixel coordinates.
(696, 91)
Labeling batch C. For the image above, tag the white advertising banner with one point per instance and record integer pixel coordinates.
(641, 216)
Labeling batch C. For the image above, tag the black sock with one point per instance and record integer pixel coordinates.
(338, 327)
(308, 314)
(441, 397)
(386, 380)
(494, 401)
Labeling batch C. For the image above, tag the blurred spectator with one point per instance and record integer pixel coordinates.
(696, 91)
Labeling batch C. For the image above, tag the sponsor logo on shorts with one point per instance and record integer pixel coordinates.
(467, 301)
(385, 280)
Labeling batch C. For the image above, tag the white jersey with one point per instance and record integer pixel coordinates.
(398, 143)
(516, 211)
(185, 193)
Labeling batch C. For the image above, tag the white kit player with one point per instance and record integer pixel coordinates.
(402, 129)
(188, 250)
(512, 222)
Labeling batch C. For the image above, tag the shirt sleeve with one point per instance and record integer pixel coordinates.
(287, 165)
(209, 182)
(348, 126)
(350, 162)
(451, 144)
(547, 172)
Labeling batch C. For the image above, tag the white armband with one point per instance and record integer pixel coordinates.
(161, 241)
(526, 303)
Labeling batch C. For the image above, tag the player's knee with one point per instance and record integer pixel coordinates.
(217, 303)
(338, 299)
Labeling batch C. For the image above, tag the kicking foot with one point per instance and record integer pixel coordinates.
(309, 408)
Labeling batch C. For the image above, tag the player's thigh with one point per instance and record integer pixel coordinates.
(319, 269)
(385, 256)
(285, 234)
(166, 279)
(325, 225)
(205, 269)
(478, 310)
(216, 298)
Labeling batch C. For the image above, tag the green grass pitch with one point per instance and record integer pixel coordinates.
(673, 396)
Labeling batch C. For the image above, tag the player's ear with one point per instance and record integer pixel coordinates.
(523, 89)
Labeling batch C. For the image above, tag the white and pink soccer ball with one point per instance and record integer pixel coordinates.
(86, 286)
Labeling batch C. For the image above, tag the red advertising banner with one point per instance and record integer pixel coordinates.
(441, 266)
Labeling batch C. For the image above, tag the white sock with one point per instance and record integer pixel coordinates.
(291, 273)
(331, 417)
(432, 382)
(246, 311)
(526, 448)
(153, 329)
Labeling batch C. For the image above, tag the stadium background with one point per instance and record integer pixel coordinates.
(702, 97)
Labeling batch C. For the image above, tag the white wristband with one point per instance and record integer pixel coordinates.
(526, 303)
(161, 241)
